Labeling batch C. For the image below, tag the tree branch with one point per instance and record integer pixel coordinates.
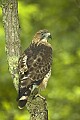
(36, 107)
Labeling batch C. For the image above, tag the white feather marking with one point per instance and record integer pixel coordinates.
(23, 98)
(25, 58)
(45, 80)
(24, 78)
(22, 86)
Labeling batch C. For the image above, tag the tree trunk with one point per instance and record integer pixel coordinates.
(11, 26)
(36, 107)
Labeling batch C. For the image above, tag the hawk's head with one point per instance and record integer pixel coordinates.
(41, 36)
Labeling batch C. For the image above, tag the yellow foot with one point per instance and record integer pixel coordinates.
(38, 95)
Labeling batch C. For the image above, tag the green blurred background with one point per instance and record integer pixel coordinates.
(62, 19)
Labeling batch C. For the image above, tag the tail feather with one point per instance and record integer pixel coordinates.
(21, 104)
(24, 93)
(23, 97)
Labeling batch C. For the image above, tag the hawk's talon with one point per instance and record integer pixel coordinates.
(38, 95)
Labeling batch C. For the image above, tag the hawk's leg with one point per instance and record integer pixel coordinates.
(36, 94)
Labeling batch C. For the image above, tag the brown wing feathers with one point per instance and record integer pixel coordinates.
(34, 64)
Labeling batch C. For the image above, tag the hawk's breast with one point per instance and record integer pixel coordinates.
(39, 63)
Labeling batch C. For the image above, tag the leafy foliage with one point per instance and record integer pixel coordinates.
(62, 19)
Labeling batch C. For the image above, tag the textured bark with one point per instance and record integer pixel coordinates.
(35, 106)
(11, 26)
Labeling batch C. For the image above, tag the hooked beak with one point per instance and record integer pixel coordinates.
(46, 36)
(49, 35)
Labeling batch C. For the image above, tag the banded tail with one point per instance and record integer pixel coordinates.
(24, 93)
